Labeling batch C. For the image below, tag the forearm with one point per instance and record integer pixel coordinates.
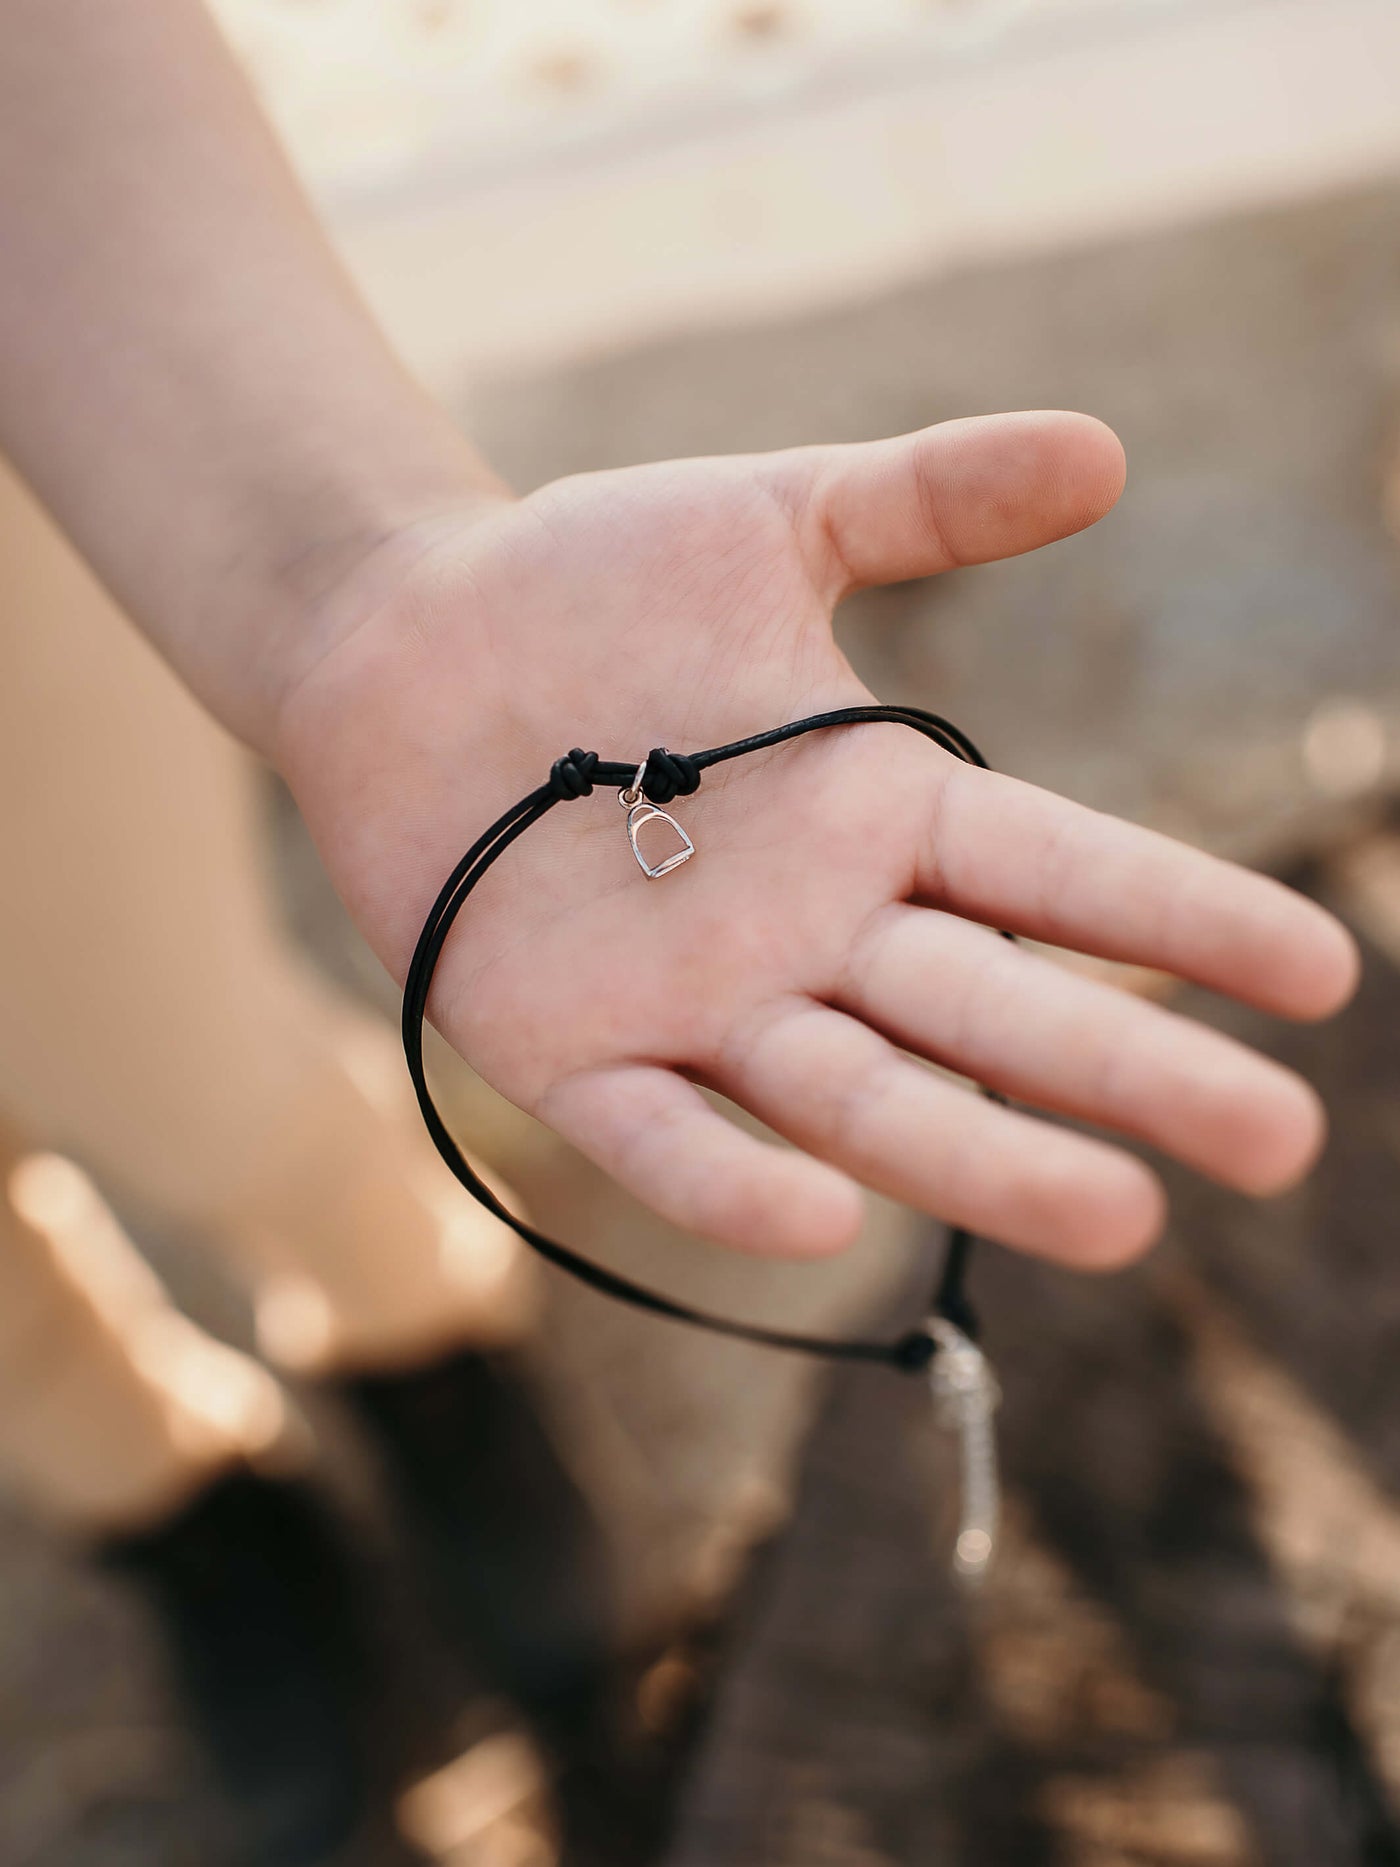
(186, 376)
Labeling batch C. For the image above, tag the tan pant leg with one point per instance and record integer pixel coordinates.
(114, 1408)
(154, 1021)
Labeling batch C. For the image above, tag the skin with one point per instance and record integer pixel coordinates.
(190, 382)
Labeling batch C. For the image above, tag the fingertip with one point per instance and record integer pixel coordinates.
(1097, 459)
(1298, 961)
(1289, 1137)
(1121, 1215)
(1009, 483)
(807, 1209)
(1328, 975)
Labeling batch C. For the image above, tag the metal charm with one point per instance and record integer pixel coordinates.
(965, 1397)
(640, 812)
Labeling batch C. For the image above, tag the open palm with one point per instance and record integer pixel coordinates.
(836, 925)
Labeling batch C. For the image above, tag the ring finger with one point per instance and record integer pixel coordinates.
(842, 1092)
(962, 996)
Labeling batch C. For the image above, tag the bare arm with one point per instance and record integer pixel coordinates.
(186, 375)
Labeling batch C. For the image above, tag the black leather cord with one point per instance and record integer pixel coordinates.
(665, 776)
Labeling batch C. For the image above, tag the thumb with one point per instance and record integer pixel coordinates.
(964, 492)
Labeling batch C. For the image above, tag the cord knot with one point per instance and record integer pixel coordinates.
(912, 1353)
(669, 774)
(572, 775)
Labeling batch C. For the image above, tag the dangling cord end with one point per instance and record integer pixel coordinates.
(965, 1397)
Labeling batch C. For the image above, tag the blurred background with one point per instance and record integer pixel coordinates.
(612, 230)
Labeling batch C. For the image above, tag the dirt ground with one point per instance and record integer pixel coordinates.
(1191, 1653)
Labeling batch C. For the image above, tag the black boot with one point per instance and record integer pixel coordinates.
(509, 1541)
(252, 1586)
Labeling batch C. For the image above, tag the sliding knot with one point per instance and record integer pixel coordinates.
(912, 1353)
(572, 775)
(669, 774)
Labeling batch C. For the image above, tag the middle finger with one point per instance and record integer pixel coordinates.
(962, 996)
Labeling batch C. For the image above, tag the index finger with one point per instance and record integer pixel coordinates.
(1001, 851)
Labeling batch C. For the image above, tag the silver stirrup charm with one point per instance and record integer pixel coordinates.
(640, 812)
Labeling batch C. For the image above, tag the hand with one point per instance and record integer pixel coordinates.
(840, 907)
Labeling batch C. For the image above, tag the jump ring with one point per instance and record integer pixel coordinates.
(632, 794)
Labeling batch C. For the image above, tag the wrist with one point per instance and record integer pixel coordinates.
(320, 568)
